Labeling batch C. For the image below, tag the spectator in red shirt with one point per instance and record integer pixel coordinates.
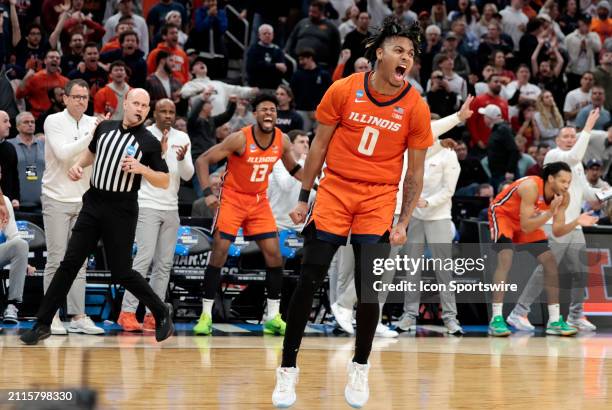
(602, 25)
(110, 97)
(35, 86)
(180, 61)
(81, 23)
(476, 124)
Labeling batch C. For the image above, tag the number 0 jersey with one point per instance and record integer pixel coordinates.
(373, 130)
(248, 173)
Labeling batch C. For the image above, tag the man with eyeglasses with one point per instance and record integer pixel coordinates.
(122, 154)
(67, 135)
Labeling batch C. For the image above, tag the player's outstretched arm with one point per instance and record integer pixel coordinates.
(412, 188)
(234, 143)
(289, 161)
(530, 218)
(576, 154)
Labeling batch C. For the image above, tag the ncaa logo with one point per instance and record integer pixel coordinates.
(359, 94)
(253, 147)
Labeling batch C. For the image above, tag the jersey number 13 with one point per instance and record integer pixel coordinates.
(259, 172)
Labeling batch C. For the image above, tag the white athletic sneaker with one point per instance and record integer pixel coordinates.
(344, 317)
(582, 324)
(85, 325)
(453, 327)
(520, 322)
(357, 390)
(57, 326)
(11, 314)
(407, 323)
(284, 392)
(384, 331)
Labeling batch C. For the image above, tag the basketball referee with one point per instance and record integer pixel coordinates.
(122, 153)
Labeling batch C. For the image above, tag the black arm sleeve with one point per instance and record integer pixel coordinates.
(195, 110)
(219, 120)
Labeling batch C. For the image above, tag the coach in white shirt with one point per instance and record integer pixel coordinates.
(158, 217)
(282, 187)
(431, 224)
(569, 248)
(67, 134)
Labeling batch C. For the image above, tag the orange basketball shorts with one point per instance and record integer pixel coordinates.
(361, 208)
(503, 225)
(252, 212)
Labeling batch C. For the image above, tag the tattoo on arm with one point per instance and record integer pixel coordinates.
(410, 195)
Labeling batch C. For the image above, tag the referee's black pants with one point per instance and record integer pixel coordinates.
(113, 218)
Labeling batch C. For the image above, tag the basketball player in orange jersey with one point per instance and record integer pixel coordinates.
(251, 153)
(516, 216)
(366, 123)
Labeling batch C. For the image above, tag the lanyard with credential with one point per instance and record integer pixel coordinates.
(31, 171)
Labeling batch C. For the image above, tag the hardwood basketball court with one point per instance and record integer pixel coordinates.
(235, 369)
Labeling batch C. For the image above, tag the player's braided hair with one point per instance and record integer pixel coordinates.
(391, 27)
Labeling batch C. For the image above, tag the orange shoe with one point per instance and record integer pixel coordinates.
(127, 320)
(148, 324)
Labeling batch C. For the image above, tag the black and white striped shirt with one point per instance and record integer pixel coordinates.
(111, 143)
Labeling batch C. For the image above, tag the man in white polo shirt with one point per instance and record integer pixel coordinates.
(67, 135)
(158, 217)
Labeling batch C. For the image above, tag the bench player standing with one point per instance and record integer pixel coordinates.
(251, 153)
(366, 123)
(516, 216)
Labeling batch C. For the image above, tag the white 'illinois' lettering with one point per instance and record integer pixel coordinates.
(372, 120)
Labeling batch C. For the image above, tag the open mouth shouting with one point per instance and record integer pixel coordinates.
(268, 122)
(400, 70)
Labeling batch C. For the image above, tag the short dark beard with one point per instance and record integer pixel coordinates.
(264, 131)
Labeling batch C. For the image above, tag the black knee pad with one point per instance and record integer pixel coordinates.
(316, 251)
(313, 275)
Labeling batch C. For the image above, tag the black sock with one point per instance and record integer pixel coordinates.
(299, 311)
(367, 320)
(367, 313)
(274, 282)
(212, 279)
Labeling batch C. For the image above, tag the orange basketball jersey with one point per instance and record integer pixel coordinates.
(508, 201)
(373, 131)
(248, 173)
